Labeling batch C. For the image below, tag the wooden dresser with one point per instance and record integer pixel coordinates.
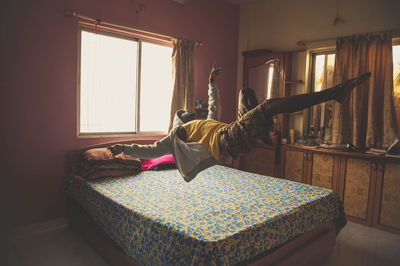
(369, 185)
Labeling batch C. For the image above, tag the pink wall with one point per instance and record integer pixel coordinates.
(38, 84)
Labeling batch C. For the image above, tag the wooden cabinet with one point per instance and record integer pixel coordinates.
(310, 167)
(295, 162)
(387, 196)
(350, 177)
(357, 189)
(324, 170)
(368, 185)
(260, 160)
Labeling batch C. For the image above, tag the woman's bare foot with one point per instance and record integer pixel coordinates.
(348, 86)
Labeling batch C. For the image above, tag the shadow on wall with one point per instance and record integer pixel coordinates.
(6, 222)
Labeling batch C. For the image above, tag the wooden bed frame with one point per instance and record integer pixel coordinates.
(310, 248)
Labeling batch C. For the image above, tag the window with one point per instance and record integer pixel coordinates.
(396, 81)
(269, 82)
(125, 85)
(322, 78)
(323, 70)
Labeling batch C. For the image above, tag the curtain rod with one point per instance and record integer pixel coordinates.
(396, 33)
(73, 13)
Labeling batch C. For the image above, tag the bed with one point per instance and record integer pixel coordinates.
(223, 217)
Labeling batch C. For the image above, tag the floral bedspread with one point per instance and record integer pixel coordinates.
(224, 216)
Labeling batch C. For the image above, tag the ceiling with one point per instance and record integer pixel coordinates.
(241, 1)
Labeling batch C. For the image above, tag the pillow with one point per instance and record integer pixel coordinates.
(100, 162)
(160, 163)
(103, 155)
(112, 169)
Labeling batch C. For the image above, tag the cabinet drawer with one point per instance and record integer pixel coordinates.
(390, 197)
(356, 189)
(294, 165)
(322, 170)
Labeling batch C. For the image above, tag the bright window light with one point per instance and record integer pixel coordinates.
(396, 70)
(108, 81)
(319, 72)
(323, 71)
(155, 89)
(270, 78)
(330, 68)
(396, 83)
(112, 99)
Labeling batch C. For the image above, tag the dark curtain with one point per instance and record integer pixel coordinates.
(368, 118)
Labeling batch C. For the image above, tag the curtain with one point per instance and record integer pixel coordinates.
(397, 100)
(183, 73)
(368, 118)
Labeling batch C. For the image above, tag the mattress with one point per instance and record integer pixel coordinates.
(224, 216)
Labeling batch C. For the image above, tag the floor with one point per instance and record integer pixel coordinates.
(60, 247)
(355, 245)
(363, 245)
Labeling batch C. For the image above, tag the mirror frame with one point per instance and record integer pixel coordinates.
(259, 57)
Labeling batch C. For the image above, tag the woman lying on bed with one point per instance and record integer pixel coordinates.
(197, 144)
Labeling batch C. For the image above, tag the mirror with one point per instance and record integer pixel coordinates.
(264, 71)
(264, 80)
(320, 120)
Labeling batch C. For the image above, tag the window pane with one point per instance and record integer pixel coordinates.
(269, 82)
(329, 70)
(321, 115)
(108, 82)
(396, 83)
(156, 87)
(323, 69)
(396, 70)
(319, 72)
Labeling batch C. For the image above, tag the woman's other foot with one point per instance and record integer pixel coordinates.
(347, 87)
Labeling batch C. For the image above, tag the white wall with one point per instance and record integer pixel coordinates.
(278, 24)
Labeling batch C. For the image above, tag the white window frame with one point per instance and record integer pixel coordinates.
(308, 84)
(313, 54)
(138, 85)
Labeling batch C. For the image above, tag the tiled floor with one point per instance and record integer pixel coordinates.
(355, 245)
(362, 245)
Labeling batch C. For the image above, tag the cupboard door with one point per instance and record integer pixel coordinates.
(260, 161)
(390, 197)
(322, 170)
(294, 165)
(356, 189)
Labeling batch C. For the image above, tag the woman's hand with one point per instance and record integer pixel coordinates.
(214, 72)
